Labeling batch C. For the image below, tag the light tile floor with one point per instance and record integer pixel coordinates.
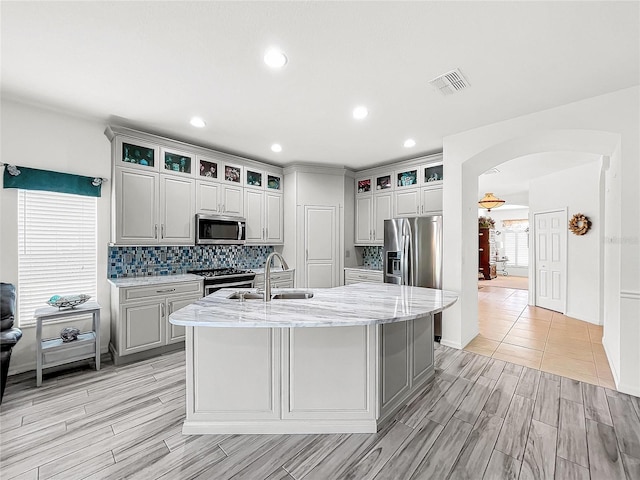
(513, 331)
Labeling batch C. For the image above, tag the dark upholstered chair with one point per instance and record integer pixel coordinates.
(9, 336)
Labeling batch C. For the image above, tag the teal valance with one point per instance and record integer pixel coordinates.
(34, 179)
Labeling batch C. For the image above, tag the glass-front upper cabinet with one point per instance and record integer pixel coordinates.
(363, 185)
(432, 173)
(175, 162)
(136, 154)
(208, 168)
(253, 178)
(233, 174)
(384, 182)
(407, 178)
(274, 182)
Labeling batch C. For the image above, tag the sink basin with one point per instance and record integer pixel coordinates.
(292, 296)
(245, 296)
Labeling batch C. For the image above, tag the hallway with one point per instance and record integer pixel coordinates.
(515, 332)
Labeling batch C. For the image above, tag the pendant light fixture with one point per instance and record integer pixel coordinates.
(490, 201)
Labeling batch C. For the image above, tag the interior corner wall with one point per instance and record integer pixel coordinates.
(350, 256)
(49, 140)
(577, 189)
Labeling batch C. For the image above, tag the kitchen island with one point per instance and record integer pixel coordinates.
(271, 367)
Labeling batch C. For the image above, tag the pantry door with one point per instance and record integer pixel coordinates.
(320, 246)
(550, 231)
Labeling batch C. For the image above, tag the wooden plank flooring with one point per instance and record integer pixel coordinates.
(479, 418)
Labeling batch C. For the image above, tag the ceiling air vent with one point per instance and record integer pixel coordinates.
(450, 82)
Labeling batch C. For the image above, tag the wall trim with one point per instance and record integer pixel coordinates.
(318, 169)
(614, 372)
(448, 343)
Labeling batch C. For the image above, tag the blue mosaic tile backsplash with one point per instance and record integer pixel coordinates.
(372, 257)
(170, 260)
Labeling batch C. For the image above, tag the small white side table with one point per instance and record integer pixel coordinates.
(53, 352)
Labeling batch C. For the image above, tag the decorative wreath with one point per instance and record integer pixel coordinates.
(579, 224)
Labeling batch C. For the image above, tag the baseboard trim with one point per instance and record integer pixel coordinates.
(448, 343)
(278, 427)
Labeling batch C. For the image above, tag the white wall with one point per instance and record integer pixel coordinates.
(39, 138)
(577, 189)
(607, 125)
(499, 215)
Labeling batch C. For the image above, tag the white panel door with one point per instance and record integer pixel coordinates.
(274, 218)
(407, 203)
(551, 260)
(254, 215)
(177, 209)
(320, 241)
(364, 228)
(383, 204)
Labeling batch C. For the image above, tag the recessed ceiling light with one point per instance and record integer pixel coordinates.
(275, 58)
(360, 112)
(198, 122)
(409, 142)
(276, 147)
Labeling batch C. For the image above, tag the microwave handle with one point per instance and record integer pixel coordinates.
(240, 231)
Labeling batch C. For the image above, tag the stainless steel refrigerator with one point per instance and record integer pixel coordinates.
(412, 255)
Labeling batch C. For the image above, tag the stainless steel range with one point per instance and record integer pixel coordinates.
(217, 278)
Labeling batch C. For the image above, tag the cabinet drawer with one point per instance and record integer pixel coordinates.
(135, 293)
(351, 276)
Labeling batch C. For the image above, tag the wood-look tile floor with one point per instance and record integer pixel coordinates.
(479, 418)
(513, 331)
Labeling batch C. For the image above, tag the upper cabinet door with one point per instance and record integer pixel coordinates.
(274, 182)
(383, 183)
(177, 207)
(232, 201)
(232, 174)
(364, 214)
(136, 154)
(253, 178)
(363, 186)
(383, 210)
(177, 163)
(274, 218)
(407, 203)
(208, 197)
(432, 174)
(136, 219)
(254, 215)
(431, 199)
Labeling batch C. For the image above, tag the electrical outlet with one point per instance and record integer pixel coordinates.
(128, 258)
(163, 256)
(347, 254)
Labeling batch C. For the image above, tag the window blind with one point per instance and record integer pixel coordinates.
(57, 248)
(516, 248)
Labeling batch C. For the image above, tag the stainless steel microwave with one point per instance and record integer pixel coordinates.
(215, 229)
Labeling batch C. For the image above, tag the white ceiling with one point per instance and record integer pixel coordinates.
(153, 65)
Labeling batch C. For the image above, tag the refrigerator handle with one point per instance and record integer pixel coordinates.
(405, 259)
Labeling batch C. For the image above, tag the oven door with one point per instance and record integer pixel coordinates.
(209, 289)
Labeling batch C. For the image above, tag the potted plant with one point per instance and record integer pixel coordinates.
(486, 222)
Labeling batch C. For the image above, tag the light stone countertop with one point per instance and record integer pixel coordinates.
(260, 271)
(154, 280)
(358, 304)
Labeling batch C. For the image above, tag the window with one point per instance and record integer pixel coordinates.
(56, 248)
(516, 242)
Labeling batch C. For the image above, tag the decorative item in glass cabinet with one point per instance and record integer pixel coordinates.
(406, 179)
(254, 178)
(433, 174)
(364, 186)
(232, 174)
(177, 163)
(208, 169)
(136, 154)
(273, 182)
(384, 182)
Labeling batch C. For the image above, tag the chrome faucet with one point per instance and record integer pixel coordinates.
(267, 274)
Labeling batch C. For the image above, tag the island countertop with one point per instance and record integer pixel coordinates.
(358, 304)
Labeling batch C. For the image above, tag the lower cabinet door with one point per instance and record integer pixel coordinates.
(144, 326)
(176, 333)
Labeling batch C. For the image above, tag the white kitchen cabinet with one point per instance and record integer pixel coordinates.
(371, 212)
(140, 318)
(136, 207)
(406, 202)
(179, 163)
(431, 199)
(361, 275)
(264, 216)
(383, 210)
(177, 210)
(218, 199)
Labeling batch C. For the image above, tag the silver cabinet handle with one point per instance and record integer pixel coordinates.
(155, 231)
(263, 237)
(223, 208)
(162, 310)
(170, 308)
(266, 233)
(162, 231)
(166, 290)
(218, 207)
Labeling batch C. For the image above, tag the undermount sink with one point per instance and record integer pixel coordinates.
(292, 296)
(244, 295)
